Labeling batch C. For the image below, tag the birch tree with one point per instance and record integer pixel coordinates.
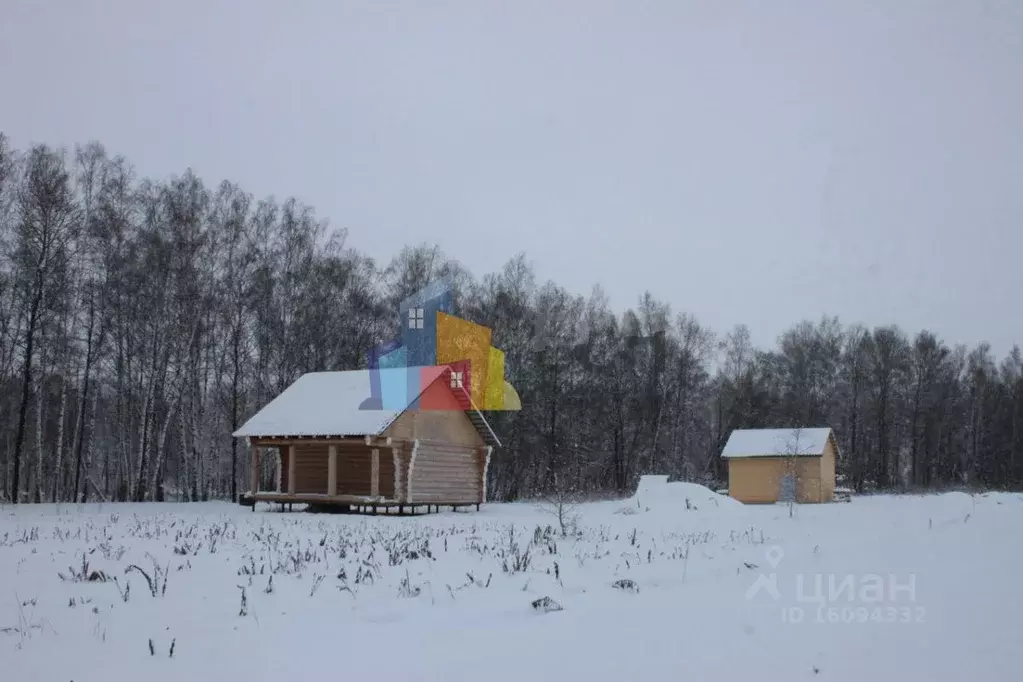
(45, 229)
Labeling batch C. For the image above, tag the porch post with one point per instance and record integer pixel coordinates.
(254, 471)
(291, 469)
(332, 470)
(279, 459)
(374, 481)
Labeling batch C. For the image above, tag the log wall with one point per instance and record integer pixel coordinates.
(310, 468)
(354, 469)
(445, 472)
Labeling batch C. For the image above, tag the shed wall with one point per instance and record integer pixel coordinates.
(754, 479)
(808, 478)
(828, 472)
(757, 480)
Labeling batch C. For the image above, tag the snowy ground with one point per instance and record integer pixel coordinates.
(911, 588)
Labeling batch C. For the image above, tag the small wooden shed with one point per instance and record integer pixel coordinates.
(772, 465)
(330, 449)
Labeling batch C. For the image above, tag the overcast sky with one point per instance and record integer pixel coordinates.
(757, 162)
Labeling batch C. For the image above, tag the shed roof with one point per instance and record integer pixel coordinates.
(329, 404)
(777, 442)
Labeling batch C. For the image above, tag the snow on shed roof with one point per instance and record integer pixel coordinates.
(776, 442)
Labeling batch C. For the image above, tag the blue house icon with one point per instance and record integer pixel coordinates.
(394, 390)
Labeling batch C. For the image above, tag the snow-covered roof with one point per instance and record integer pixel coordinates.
(330, 404)
(776, 442)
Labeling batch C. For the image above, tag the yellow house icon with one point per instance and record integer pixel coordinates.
(461, 341)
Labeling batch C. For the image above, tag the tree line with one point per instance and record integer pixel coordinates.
(142, 321)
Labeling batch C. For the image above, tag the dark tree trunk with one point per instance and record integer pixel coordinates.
(26, 389)
(83, 407)
(234, 411)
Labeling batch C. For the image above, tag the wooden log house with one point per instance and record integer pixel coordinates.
(331, 450)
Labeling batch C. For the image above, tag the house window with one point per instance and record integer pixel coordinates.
(415, 318)
(456, 380)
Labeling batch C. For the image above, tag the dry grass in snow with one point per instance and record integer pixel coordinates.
(657, 587)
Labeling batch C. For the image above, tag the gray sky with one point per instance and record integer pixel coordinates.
(757, 162)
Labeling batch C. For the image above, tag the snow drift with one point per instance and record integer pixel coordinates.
(656, 493)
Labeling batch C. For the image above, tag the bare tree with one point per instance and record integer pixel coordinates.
(794, 447)
(562, 502)
(46, 220)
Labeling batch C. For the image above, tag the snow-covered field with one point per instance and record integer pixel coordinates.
(911, 588)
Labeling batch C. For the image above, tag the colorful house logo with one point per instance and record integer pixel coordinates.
(433, 339)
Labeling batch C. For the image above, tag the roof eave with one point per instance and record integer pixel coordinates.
(766, 455)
